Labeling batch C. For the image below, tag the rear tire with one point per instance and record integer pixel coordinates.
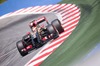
(58, 26)
(52, 30)
(20, 46)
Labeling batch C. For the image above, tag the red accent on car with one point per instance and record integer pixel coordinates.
(39, 20)
(28, 33)
(45, 19)
(45, 38)
(29, 47)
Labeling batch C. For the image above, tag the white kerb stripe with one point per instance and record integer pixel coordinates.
(70, 11)
(67, 23)
(32, 64)
(68, 20)
(33, 9)
(53, 6)
(74, 14)
(57, 8)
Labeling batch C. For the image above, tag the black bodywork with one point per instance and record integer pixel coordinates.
(29, 42)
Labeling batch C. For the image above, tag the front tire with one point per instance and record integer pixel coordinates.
(20, 47)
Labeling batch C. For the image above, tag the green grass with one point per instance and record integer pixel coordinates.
(1, 1)
(83, 39)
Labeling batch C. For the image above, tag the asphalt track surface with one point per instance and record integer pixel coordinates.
(11, 30)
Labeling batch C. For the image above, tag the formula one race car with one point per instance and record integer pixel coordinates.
(51, 31)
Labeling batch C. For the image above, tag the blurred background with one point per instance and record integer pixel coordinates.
(82, 48)
(7, 6)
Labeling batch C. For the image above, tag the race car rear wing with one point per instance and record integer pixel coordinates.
(42, 19)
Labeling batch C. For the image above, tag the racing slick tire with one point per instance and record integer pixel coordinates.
(52, 30)
(58, 26)
(20, 46)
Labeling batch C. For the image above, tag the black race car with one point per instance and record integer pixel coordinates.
(29, 42)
